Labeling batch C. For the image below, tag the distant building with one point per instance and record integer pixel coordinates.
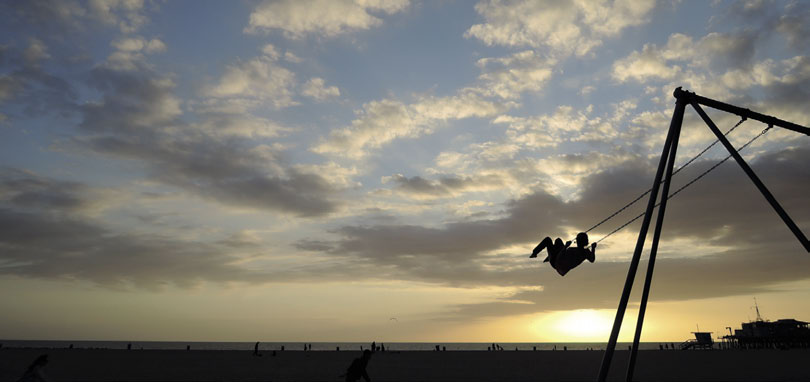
(780, 334)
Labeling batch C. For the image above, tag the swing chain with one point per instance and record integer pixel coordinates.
(626, 206)
(763, 132)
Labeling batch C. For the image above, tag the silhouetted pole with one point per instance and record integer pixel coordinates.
(764, 190)
(677, 119)
(745, 113)
(659, 223)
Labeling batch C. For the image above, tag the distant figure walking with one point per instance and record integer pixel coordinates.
(562, 257)
(34, 372)
(358, 368)
(256, 350)
(373, 346)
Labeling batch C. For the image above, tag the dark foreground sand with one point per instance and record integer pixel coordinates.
(181, 365)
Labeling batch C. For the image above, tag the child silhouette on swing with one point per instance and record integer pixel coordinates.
(562, 257)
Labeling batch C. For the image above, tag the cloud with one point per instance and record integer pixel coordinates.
(48, 246)
(445, 186)
(327, 18)
(36, 51)
(641, 66)
(138, 118)
(26, 83)
(787, 19)
(565, 124)
(127, 15)
(723, 51)
(565, 27)
(717, 231)
(291, 57)
(381, 122)
(130, 53)
(136, 44)
(724, 66)
(508, 77)
(26, 190)
(50, 230)
(316, 89)
(256, 82)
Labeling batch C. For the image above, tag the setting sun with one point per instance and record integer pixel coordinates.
(584, 325)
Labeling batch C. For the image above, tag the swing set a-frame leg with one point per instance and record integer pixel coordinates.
(674, 130)
(659, 224)
(754, 178)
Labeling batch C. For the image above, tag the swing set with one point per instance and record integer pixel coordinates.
(662, 182)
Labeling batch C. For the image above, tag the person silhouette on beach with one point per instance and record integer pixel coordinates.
(34, 372)
(358, 368)
(256, 350)
(562, 257)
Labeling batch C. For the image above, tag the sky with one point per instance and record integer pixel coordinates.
(337, 170)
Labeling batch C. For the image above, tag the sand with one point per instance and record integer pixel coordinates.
(181, 365)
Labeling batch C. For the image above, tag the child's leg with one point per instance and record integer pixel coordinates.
(554, 251)
(545, 243)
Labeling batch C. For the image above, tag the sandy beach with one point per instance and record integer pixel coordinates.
(200, 365)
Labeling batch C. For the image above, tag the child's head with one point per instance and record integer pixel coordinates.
(582, 239)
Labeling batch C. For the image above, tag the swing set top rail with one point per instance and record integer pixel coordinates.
(690, 97)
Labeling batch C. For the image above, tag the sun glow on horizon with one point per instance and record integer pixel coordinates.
(583, 324)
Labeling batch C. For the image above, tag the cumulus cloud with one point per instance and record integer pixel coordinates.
(380, 122)
(508, 77)
(137, 44)
(715, 50)
(130, 53)
(566, 28)
(564, 124)
(327, 18)
(724, 66)
(316, 89)
(256, 82)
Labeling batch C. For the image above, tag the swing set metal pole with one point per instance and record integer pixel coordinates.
(659, 223)
(742, 112)
(754, 178)
(677, 119)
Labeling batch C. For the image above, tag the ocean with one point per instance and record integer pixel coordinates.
(318, 346)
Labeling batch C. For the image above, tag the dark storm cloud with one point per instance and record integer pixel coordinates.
(139, 118)
(723, 210)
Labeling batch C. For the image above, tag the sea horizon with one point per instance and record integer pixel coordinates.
(317, 346)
